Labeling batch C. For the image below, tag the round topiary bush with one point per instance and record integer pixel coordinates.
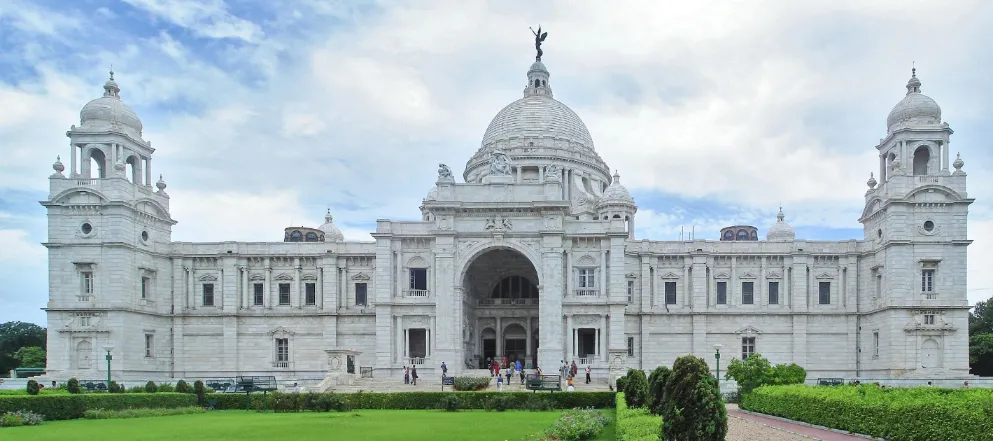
(73, 385)
(636, 388)
(33, 387)
(151, 388)
(692, 409)
(656, 389)
(201, 392)
(183, 387)
(115, 388)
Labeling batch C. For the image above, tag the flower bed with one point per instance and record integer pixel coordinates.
(897, 414)
(471, 383)
(574, 425)
(636, 424)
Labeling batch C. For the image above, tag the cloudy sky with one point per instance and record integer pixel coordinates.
(265, 113)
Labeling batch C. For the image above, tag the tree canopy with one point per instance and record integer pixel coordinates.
(16, 335)
(981, 339)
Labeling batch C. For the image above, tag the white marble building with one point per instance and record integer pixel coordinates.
(533, 256)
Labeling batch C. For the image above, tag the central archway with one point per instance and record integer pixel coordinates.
(501, 286)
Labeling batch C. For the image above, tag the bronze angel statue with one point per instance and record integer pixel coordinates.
(538, 38)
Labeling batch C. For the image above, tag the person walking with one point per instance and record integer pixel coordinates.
(406, 375)
(587, 374)
(444, 369)
(522, 379)
(499, 382)
(413, 376)
(517, 364)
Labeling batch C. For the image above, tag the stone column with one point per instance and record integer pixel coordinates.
(527, 342)
(244, 288)
(431, 334)
(732, 300)
(601, 338)
(763, 285)
(299, 283)
(570, 342)
(190, 290)
(72, 171)
(148, 171)
(267, 289)
(569, 275)
(342, 287)
(646, 283)
(944, 155)
(601, 284)
(398, 292)
(687, 299)
(550, 302)
(499, 339)
(319, 301)
(399, 340)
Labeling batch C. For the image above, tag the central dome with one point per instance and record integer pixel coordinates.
(538, 130)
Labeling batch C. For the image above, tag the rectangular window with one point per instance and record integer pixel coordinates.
(360, 294)
(208, 294)
(824, 293)
(747, 293)
(282, 349)
(149, 348)
(86, 281)
(630, 346)
(927, 280)
(875, 344)
(144, 287)
(722, 293)
(84, 321)
(773, 293)
(311, 293)
(259, 294)
(670, 293)
(586, 279)
(928, 319)
(284, 294)
(419, 279)
(630, 291)
(747, 347)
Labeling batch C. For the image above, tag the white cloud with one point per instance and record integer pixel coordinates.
(208, 18)
(17, 247)
(235, 216)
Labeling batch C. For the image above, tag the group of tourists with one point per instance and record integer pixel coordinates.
(569, 372)
(410, 375)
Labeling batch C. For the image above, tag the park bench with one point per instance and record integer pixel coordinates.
(830, 381)
(544, 382)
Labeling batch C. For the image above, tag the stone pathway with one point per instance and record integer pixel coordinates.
(748, 427)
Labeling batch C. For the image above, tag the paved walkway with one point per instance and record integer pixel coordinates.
(793, 428)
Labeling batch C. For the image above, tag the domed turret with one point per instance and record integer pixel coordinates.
(780, 231)
(616, 194)
(617, 203)
(914, 109)
(331, 232)
(109, 113)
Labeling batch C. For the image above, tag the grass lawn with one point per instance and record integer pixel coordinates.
(393, 425)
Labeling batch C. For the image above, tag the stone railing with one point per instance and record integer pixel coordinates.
(587, 292)
(416, 293)
(585, 361)
(415, 361)
(84, 298)
(281, 365)
(930, 296)
(508, 302)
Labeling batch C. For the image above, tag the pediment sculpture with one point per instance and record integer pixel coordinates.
(499, 163)
(445, 174)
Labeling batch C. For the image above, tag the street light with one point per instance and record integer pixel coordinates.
(108, 348)
(717, 355)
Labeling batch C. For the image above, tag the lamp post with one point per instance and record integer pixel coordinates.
(108, 348)
(717, 355)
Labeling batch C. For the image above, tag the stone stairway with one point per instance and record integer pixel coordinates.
(432, 383)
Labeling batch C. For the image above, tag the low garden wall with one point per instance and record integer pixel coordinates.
(896, 414)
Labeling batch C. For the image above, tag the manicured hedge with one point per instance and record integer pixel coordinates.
(897, 414)
(430, 400)
(72, 406)
(636, 424)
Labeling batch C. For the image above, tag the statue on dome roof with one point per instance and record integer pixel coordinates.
(499, 163)
(539, 37)
(445, 174)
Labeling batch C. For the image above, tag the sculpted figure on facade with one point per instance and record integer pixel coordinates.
(445, 174)
(553, 173)
(499, 163)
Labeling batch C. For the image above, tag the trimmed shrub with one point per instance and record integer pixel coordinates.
(449, 403)
(636, 388)
(33, 387)
(635, 424)
(103, 414)
(72, 406)
(692, 409)
(115, 388)
(656, 389)
(538, 404)
(137, 390)
(428, 400)
(471, 383)
(201, 392)
(166, 387)
(151, 388)
(755, 371)
(622, 381)
(73, 385)
(897, 414)
(183, 387)
(501, 403)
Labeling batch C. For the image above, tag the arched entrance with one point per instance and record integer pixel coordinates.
(930, 356)
(501, 305)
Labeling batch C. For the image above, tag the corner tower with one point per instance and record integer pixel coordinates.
(108, 228)
(915, 226)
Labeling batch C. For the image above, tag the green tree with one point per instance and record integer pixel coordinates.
(14, 336)
(30, 357)
(981, 354)
(750, 373)
(981, 318)
(787, 374)
(692, 408)
(656, 388)
(636, 388)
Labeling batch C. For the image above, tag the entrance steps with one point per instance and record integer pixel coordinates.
(432, 383)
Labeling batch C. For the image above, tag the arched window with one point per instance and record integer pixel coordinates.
(84, 353)
(617, 216)
(922, 156)
(728, 235)
(296, 236)
(755, 235)
(98, 160)
(515, 287)
(537, 83)
(311, 236)
(742, 235)
(133, 165)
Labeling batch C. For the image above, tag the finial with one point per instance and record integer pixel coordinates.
(871, 182)
(57, 166)
(780, 217)
(958, 163)
(111, 72)
(161, 185)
